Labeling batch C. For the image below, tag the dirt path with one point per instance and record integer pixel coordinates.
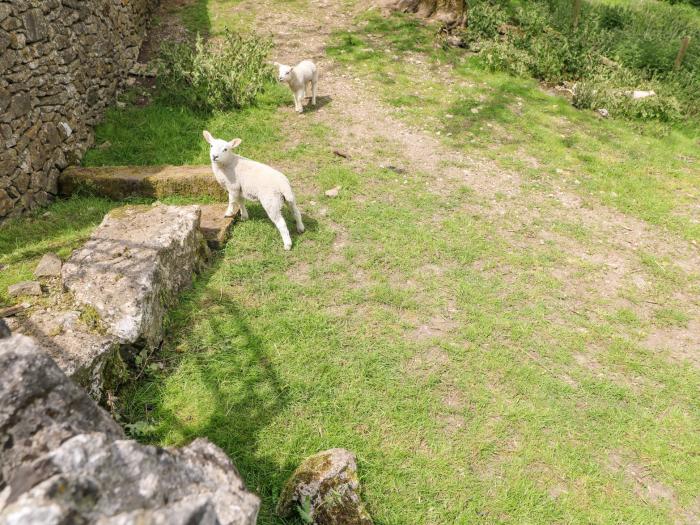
(525, 218)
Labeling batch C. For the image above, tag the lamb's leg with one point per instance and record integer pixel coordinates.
(232, 198)
(314, 82)
(297, 216)
(244, 210)
(273, 208)
(299, 98)
(284, 232)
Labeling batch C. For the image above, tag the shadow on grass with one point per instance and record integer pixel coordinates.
(224, 361)
(321, 102)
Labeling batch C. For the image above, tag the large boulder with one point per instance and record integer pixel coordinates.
(40, 408)
(77, 343)
(326, 488)
(115, 292)
(133, 266)
(64, 460)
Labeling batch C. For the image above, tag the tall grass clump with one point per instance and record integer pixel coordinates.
(225, 73)
(606, 53)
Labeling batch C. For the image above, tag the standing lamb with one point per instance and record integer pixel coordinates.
(298, 78)
(246, 179)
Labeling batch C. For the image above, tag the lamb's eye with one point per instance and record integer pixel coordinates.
(225, 149)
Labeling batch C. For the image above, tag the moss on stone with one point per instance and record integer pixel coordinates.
(115, 371)
(121, 182)
(91, 318)
(330, 480)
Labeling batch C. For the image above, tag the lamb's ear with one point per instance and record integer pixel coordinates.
(234, 143)
(207, 136)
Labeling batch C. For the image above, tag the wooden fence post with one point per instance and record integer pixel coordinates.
(685, 42)
(577, 12)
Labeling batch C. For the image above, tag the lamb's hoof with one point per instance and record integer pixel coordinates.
(301, 229)
(287, 247)
(300, 111)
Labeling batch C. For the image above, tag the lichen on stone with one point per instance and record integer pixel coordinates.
(328, 485)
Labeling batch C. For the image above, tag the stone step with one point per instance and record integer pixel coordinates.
(114, 291)
(214, 226)
(121, 182)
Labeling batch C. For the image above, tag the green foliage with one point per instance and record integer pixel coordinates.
(615, 49)
(161, 133)
(485, 19)
(305, 510)
(695, 3)
(227, 72)
(139, 429)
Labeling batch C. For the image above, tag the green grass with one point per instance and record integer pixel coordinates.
(160, 133)
(276, 356)
(60, 229)
(645, 169)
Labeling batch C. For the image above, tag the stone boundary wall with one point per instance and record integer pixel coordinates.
(61, 65)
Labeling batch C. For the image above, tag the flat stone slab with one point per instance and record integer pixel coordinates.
(64, 460)
(120, 182)
(214, 226)
(49, 266)
(133, 266)
(24, 288)
(115, 291)
(79, 349)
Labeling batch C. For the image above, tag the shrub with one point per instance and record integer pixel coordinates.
(225, 73)
(613, 92)
(484, 21)
(500, 56)
(638, 43)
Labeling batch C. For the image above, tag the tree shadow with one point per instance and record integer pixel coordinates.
(233, 371)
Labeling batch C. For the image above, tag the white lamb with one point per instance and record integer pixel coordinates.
(246, 179)
(298, 78)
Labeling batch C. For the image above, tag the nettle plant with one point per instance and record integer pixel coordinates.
(227, 72)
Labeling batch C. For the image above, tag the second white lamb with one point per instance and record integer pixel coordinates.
(298, 78)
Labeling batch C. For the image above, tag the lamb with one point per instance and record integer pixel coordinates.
(246, 179)
(298, 78)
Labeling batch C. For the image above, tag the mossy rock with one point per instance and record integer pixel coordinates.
(327, 487)
(122, 182)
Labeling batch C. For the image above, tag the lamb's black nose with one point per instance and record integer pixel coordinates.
(215, 157)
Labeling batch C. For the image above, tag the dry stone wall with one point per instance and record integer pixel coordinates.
(61, 65)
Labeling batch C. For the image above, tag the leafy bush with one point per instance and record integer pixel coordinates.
(225, 73)
(499, 56)
(602, 90)
(637, 44)
(485, 19)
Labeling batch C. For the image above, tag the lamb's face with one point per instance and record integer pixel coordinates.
(220, 151)
(284, 72)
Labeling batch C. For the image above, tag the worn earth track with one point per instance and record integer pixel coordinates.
(526, 217)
